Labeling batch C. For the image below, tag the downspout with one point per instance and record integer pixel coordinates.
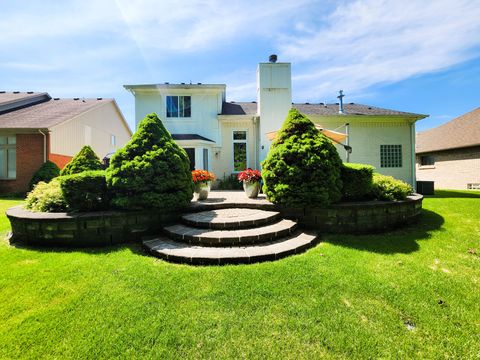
(44, 145)
(347, 131)
(412, 140)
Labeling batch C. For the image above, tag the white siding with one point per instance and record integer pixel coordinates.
(95, 128)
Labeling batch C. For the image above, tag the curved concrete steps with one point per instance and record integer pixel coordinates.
(210, 237)
(231, 218)
(180, 252)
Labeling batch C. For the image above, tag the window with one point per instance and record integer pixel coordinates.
(205, 159)
(179, 106)
(390, 155)
(8, 157)
(239, 150)
(426, 160)
(113, 140)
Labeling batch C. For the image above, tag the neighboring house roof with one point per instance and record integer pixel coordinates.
(190, 137)
(463, 131)
(10, 101)
(250, 108)
(45, 114)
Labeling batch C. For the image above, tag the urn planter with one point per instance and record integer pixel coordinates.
(202, 190)
(251, 188)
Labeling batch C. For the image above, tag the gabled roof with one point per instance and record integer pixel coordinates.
(43, 115)
(250, 108)
(463, 131)
(190, 137)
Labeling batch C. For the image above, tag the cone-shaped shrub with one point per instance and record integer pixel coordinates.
(85, 160)
(302, 167)
(151, 171)
(47, 172)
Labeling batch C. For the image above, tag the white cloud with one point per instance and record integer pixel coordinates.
(368, 42)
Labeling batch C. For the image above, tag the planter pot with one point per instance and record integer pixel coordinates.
(251, 188)
(201, 190)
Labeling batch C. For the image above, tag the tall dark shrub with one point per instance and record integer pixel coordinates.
(47, 172)
(357, 181)
(85, 160)
(302, 167)
(151, 171)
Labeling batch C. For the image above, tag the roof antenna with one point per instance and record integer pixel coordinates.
(340, 103)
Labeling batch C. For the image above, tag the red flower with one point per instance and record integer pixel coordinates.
(202, 176)
(249, 175)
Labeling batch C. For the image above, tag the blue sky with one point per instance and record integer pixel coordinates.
(417, 56)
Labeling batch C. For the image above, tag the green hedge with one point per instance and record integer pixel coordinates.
(47, 172)
(388, 188)
(302, 167)
(357, 181)
(85, 191)
(151, 171)
(47, 197)
(85, 160)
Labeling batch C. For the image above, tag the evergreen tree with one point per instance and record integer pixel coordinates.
(85, 160)
(302, 167)
(151, 171)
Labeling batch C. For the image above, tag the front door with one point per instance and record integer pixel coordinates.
(191, 155)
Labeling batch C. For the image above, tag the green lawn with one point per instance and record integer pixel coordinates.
(349, 297)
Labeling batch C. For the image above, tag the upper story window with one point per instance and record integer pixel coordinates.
(427, 160)
(8, 157)
(179, 106)
(390, 156)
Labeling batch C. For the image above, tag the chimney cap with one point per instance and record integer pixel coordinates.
(272, 58)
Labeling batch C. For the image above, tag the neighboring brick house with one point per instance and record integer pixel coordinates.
(35, 128)
(449, 154)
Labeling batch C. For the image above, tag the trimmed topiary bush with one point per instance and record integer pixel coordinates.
(85, 160)
(388, 188)
(357, 181)
(151, 171)
(47, 172)
(85, 191)
(302, 167)
(46, 197)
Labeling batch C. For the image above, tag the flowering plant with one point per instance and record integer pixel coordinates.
(249, 175)
(202, 176)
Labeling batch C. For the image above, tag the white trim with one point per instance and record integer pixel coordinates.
(233, 149)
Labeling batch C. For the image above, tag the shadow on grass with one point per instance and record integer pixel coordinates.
(134, 247)
(459, 194)
(402, 240)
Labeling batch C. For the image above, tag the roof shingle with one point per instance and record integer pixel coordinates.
(463, 131)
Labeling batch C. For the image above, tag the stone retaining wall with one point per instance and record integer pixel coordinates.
(358, 217)
(84, 229)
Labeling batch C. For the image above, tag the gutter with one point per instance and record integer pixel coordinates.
(44, 145)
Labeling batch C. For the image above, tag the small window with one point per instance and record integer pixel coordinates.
(390, 156)
(426, 160)
(473, 186)
(239, 150)
(8, 157)
(205, 159)
(113, 140)
(179, 106)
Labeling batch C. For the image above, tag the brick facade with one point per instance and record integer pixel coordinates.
(59, 160)
(453, 169)
(29, 159)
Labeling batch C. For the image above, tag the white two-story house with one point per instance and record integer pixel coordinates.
(227, 137)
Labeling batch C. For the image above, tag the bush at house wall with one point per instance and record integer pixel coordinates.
(85, 160)
(151, 171)
(357, 181)
(85, 191)
(47, 172)
(302, 167)
(388, 188)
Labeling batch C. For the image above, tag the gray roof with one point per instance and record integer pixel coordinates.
(461, 132)
(190, 137)
(48, 113)
(250, 108)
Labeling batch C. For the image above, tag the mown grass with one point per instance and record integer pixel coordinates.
(349, 297)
